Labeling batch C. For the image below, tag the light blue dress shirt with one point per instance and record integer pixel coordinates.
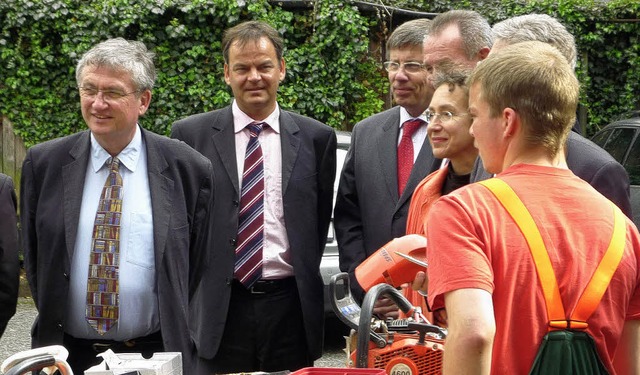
(139, 314)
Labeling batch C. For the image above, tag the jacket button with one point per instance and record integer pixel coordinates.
(228, 281)
(66, 276)
(59, 326)
(232, 242)
(236, 203)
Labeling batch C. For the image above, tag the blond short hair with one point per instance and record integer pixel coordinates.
(535, 80)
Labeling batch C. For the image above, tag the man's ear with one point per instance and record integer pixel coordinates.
(483, 53)
(226, 73)
(145, 101)
(511, 122)
(283, 70)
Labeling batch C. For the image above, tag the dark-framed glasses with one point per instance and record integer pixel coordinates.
(408, 66)
(110, 95)
(444, 117)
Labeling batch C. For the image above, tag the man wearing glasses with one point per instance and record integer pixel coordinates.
(112, 220)
(387, 158)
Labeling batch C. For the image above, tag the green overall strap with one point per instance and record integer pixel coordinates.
(600, 280)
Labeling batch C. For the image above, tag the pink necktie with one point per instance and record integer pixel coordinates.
(405, 152)
(248, 265)
(102, 286)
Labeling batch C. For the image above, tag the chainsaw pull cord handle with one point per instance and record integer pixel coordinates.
(366, 313)
(32, 364)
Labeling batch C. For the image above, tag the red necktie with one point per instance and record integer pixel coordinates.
(248, 264)
(405, 152)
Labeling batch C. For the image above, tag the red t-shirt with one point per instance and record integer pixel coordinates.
(474, 243)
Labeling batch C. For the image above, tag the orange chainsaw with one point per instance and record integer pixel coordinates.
(410, 346)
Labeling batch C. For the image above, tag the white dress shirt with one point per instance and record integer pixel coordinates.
(420, 135)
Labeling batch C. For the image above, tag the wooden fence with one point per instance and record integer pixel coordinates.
(12, 152)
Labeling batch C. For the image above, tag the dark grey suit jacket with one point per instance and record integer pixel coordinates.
(368, 212)
(308, 172)
(592, 164)
(53, 177)
(9, 263)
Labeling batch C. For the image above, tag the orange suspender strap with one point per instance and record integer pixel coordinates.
(600, 280)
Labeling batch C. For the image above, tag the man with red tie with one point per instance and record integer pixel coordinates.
(387, 159)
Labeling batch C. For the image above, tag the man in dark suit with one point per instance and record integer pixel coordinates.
(585, 159)
(129, 291)
(271, 319)
(9, 263)
(371, 206)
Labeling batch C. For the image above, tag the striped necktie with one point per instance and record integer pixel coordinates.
(248, 264)
(102, 287)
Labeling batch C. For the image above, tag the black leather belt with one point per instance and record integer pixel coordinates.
(269, 286)
(153, 340)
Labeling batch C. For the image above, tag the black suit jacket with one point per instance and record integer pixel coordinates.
(368, 212)
(308, 172)
(592, 164)
(53, 177)
(9, 263)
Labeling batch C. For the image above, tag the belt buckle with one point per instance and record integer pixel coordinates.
(100, 347)
(252, 290)
(130, 343)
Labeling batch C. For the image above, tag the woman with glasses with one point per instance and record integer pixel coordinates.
(448, 134)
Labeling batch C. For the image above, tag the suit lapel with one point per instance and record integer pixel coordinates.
(290, 144)
(388, 155)
(73, 175)
(160, 187)
(224, 141)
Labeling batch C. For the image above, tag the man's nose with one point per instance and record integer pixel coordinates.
(99, 99)
(254, 75)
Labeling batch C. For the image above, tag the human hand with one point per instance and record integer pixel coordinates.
(386, 308)
(440, 318)
(420, 283)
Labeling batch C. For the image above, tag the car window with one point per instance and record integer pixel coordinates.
(601, 137)
(632, 165)
(618, 144)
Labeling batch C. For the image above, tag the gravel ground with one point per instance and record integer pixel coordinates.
(16, 337)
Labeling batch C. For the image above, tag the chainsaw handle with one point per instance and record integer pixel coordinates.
(32, 364)
(366, 313)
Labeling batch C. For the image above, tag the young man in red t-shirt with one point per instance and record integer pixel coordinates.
(523, 102)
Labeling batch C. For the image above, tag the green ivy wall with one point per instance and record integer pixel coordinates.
(333, 54)
(331, 74)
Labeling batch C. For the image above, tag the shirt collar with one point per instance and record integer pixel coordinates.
(241, 119)
(405, 116)
(128, 156)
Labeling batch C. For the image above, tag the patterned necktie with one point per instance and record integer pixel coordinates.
(102, 286)
(405, 152)
(248, 265)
